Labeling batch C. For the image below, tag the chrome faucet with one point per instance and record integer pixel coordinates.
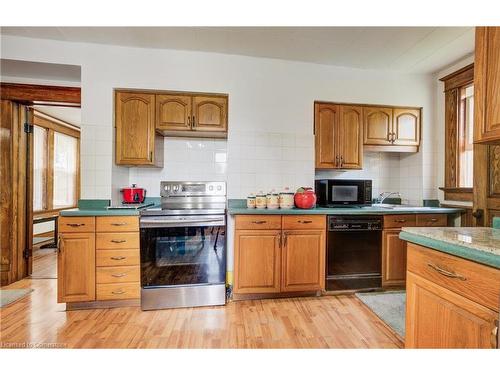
(383, 196)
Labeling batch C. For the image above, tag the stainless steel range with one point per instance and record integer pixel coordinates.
(183, 246)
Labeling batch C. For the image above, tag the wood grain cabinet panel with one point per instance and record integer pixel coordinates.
(326, 131)
(487, 85)
(136, 142)
(377, 123)
(117, 224)
(350, 141)
(76, 267)
(393, 259)
(173, 112)
(439, 318)
(122, 240)
(209, 113)
(118, 291)
(113, 275)
(117, 257)
(406, 127)
(257, 259)
(258, 222)
(76, 224)
(303, 260)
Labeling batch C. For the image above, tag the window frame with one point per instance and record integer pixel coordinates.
(54, 125)
(453, 85)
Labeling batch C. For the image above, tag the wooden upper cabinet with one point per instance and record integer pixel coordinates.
(406, 127)
(350, 141)
(173, 112)
(135, 130)
(209, 113)
(76, 267)
(326, 118)
(487, 85)
(377, 125)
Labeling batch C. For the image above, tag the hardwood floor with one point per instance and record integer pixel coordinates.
(312, 322)
(44, 263)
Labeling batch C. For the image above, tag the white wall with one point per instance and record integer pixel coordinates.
(439, 129)
(265, 96)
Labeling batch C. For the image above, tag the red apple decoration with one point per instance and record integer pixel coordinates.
(305, 198)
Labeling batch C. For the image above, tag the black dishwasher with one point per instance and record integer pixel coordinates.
(354, 253)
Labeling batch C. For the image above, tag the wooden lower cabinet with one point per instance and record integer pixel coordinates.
(439, 318)
(279, 260)
(393, 259)
(303, 260)
(257, 259)
(76, 267)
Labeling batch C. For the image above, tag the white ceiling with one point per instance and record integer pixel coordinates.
(68, 114)
(406, 49)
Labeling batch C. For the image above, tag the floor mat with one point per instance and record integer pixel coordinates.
(388, 306)
(9, 296)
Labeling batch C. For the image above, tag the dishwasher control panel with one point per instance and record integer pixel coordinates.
(354, 223)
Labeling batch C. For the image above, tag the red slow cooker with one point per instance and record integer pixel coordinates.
(133, 194)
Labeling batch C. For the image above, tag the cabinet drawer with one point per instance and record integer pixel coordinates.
(113, 275)
(475, 281)
(117, 224)
(432, 220)
(76, 224)
(304, 222)
(122, 257)
(399, 221)
(125, 240)
(258, 222)
(118, 291)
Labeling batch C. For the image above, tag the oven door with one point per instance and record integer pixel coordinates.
(183, 250)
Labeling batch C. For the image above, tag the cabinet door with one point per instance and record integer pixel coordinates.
(487, 85)
(377, 125)
(76, 267)
(209, 113)
(393, 259)
(257, 256)
(350, 142)
(173, 112)
(439, 318)
(326, 118)
(406, 127)
(135, 128)
(303, 260)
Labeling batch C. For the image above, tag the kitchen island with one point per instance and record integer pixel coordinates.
(453, 287)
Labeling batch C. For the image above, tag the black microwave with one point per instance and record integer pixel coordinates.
(342, 193)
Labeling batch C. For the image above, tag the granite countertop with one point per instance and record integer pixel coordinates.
(97, 207)
(239, 207)
(479, 244)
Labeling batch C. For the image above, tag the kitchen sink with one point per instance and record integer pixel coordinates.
(399, 207)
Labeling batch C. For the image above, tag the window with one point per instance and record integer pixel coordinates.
(56, 169)
(459, 148)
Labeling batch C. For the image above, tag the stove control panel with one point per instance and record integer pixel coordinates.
(190, 188)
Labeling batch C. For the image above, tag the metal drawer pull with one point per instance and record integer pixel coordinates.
(443, 272)
(259, 222)
(118, 241)
(433, 220)
(284, 239)
(118, 292)
(119, 274)
(400, 221)
(118, 258)
(118, 224)
(305, 221)
(75, 224)
(494, 336)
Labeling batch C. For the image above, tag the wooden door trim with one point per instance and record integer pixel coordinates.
(43, 94)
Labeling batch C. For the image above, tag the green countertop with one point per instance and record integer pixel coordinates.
(97, 207)
(238, 207)
(479, 244)
(496, 222)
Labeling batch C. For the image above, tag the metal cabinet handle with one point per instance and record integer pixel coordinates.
(118, 224)
(433, 220)
(400, 221)
(118, 241)
(259, 222)
(117, 292)
(341, 161)
(446, 273)
(304, 221)
(194, 122)
(279, 240)
(118, 258)
(284, 239)
(494, 336)
(60, 243)
(189, 121)
(119, 274)
(337, 161)
(75, 224)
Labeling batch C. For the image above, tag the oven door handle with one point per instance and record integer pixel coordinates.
(166, 223)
